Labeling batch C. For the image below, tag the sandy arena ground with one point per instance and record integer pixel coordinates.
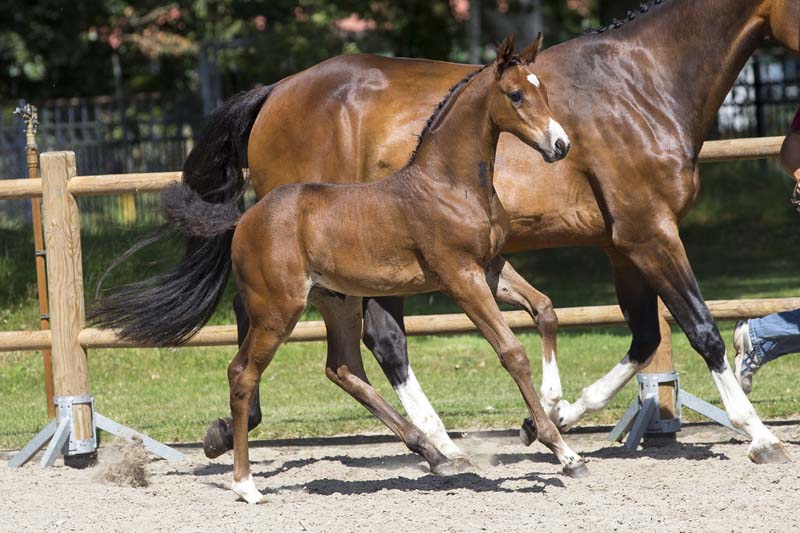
(703, 482)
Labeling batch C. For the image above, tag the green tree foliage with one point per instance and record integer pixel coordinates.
(52, 48)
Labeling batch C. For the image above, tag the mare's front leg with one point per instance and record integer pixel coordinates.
(511, 288)
(219, 434)
(639, 305)
(385, 336)
(342, 315)
(468, 286)
(661, 259)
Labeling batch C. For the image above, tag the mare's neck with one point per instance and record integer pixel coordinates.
(700, 47)
(460, 143)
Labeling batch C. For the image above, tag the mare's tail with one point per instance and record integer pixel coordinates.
(167, 309)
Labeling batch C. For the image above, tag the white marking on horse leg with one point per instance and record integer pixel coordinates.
(551, 384)
(740, 410)
(597, 395)
(533, 79)
(247, 490)
(566, 455)
(422, 415)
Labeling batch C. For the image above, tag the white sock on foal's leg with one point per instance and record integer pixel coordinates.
(247, 490)
(551, 385)
(422, 415)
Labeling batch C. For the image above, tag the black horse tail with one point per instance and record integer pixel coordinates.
(167, 309)
(214, 166)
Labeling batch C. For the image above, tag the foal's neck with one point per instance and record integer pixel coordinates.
(459, 144)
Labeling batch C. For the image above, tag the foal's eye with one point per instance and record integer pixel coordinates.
(515, 97)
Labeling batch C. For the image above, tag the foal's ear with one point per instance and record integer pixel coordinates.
(505, 52)
(528, 54)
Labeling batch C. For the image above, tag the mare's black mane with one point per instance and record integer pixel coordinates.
(629, 16)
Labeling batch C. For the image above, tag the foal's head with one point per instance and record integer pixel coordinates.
(519, 103)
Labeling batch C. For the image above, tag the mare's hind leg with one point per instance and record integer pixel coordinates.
(511, 288)
(469, 288)
(385, 336)
(342, 315)
(639, 305)
(219, 435)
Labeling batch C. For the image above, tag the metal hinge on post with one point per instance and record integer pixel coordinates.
(61, 435)
(643, 416)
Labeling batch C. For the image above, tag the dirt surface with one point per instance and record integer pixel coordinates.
(703, 482)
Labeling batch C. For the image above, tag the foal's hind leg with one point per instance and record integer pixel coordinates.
(469, 288)
(267, 331)
(219, 435)
(342, 315)
(511, 288)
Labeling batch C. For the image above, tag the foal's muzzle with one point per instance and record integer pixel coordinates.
(559, 141)
(561, 149)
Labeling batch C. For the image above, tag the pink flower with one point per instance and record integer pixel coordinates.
(355, 24)
(300, 15)
(460, 9)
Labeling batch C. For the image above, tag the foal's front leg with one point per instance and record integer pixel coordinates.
(469, 288)
(511, 288)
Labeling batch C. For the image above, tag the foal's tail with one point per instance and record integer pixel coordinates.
(167, 309)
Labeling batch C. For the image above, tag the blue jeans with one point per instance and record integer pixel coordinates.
(775, 335)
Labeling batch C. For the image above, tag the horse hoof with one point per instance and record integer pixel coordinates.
(772, 454)
(527, 433)
(246, 489)
(218, 439)
(576, 470)
(453, 467)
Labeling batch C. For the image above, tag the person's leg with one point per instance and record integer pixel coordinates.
(761, 340)
(775, 335)
(790, 151)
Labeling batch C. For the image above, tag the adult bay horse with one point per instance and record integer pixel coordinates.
(646, 91)
(436, 224)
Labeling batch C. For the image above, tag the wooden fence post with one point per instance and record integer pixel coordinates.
(662, 363)
(65, 288)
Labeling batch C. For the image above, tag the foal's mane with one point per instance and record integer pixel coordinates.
(629, 16)
(443, 104)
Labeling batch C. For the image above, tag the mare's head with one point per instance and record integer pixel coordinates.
(519, 104)
(783, 20)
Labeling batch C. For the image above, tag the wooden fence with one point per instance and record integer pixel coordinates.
(69, 339)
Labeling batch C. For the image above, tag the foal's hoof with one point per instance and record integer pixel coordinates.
(772, 454)
(218, 439)
(527, 433)
(246, 489)
(576, 470)
(457, 465)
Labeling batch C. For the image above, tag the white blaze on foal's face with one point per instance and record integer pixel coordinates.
(557, 132)
(533, 79)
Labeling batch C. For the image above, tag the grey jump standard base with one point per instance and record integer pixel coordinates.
(643, 417)
(60, 433)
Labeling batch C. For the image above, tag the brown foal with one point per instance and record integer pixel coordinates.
(437, 224)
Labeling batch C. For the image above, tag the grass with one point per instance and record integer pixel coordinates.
(741, 238)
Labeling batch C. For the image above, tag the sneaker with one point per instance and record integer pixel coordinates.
(746, 363)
